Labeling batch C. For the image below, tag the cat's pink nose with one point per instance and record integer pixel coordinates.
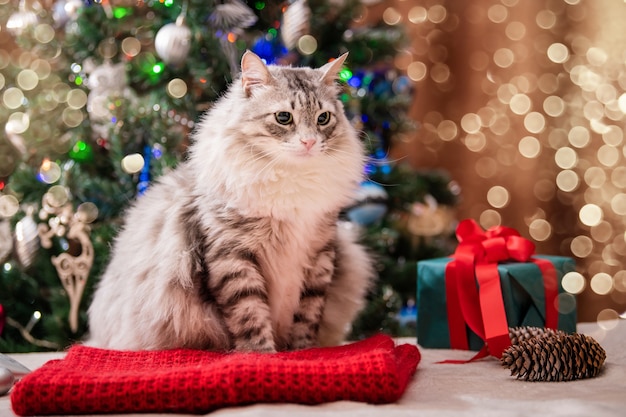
(308, 143)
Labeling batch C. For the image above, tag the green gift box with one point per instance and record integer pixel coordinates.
(522, 285)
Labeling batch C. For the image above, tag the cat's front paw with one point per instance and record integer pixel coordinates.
(303, 343)
(262, 346)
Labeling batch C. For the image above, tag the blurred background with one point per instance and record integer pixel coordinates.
(523, 103)
(504, 111)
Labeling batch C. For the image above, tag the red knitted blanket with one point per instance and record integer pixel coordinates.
(90, 380)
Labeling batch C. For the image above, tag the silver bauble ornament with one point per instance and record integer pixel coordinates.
(173, 42)
(296, 23)
(10, 371)
(6, 380)
(26, 240)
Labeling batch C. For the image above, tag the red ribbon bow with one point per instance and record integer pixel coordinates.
(481, 307)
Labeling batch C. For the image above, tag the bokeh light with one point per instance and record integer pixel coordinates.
(177, 88)
(307, 45)
(87, 212)
(57, 196)
(573, 282)
(608, 319)
(567, 180)
(391, 16)
(498, 196)
(581, 246)
(13, 98)
(27, 79)
(601, 283)
(417, 14)
(540, 230)
(558, 53)
(529, 147)
(49, 172)
(490, 218)
(590, 214)
(132, 163)
(131, 46)
(18, 122)
(566, 303)
(566, 158)
(9, 205)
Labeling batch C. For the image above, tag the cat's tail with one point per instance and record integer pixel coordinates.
(353, 278)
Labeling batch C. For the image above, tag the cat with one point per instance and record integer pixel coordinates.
(239, 247)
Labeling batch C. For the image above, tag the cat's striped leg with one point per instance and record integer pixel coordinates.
(353, 277)
(306, 320)
(239, 290)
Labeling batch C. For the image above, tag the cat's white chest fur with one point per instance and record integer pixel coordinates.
(286, 256)
(284, 285)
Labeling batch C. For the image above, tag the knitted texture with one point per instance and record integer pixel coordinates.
(90, 380)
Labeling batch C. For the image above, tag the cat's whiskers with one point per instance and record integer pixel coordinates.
(336, 153)
(259, 175)
(364, 137)
(330, 146)
(254, 152)
(264, 154)
(385, 161)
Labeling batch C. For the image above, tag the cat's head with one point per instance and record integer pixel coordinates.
(279, 140)
(293, 113)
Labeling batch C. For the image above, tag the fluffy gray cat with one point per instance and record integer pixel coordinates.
(239, 246)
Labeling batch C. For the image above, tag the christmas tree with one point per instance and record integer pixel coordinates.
(98, 100)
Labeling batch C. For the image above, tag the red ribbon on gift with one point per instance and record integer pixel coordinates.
(481, 307)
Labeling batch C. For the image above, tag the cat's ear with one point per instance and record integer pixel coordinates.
(254, 73)
(331, 70)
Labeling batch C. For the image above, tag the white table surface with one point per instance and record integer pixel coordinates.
(481, 388)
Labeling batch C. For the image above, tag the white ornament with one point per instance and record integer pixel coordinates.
(173, 42)
(296, 23)
(233, 15)
(6, 243)
(107, 84)
(65, 10)
(73, 270)
(26, 240)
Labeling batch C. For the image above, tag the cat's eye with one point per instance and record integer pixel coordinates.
(283, 117)
(323, 118)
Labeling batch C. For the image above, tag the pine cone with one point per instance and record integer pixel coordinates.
(523, 333)
(558, 357)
